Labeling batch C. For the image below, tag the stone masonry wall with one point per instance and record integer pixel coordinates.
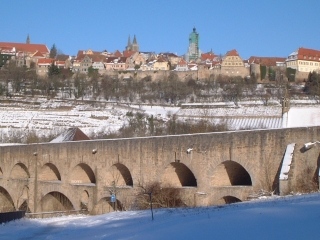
(259, 152)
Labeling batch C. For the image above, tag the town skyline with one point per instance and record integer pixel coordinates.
(260, 29)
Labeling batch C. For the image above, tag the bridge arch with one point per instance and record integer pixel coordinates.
(23, 201)
(55, 201)
(49, 172)
(105, 206)
(82, 174)
(6, 202)
(120, 175)
(177, 174)
(19, 171)
(230, 173)
(84, 200)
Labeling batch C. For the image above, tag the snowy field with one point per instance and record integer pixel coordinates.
(52, 117)
(291, 217)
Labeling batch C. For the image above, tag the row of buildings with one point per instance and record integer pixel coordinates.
(132, 59)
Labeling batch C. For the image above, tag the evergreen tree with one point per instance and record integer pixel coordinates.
(53, 70)
(312, 85)
(53, 51)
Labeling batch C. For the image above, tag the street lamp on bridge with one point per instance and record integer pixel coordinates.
(310, 145)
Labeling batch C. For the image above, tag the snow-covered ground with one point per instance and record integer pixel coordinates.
(52, 117)
(294, 217)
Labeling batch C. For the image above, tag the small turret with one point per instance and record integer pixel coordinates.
(28, 39)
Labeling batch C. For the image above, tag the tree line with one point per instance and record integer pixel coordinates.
(63, 83)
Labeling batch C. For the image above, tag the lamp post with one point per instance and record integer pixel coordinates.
(150, 196)
(309, 145)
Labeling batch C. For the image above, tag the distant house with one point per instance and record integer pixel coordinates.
(232, 59)
(148, 56)
(98, 62)
(172, 58)
(26, 51)
(76, 64)
(66, 59)
(209, 56)
(139, 59)
(192, 66)
(148, 66)
(99, 65)
(42, 66)
(115, 63)
(267, 61)
(304, 60)
(28, 48)
(161, 64)
(230, 65)
(86, 62)
(6, 54)
(182, 65)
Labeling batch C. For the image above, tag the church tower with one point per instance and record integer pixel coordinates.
(28, 39)
(134, 46)
(193, 51)
(129, 44)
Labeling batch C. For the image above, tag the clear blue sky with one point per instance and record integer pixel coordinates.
(253, 27)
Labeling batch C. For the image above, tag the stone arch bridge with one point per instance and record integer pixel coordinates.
(221, 168)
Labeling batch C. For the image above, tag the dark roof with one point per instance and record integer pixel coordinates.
(62, 57)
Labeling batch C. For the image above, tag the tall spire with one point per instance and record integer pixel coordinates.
(28, 39)
(134, 40)
(129, 41)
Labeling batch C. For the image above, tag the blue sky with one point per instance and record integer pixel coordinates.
(253, 27)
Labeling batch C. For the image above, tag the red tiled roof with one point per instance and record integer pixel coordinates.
(97, 58)
(82, 53)
(182, 62)
(266, 61)
(209, 55)
(60, 62)
(45, 61)
(24, 47)
(128, 53)
(161, 59)
(232, 53)
(6, 48)
(308, 54)
(117, 53)
(38, 54)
